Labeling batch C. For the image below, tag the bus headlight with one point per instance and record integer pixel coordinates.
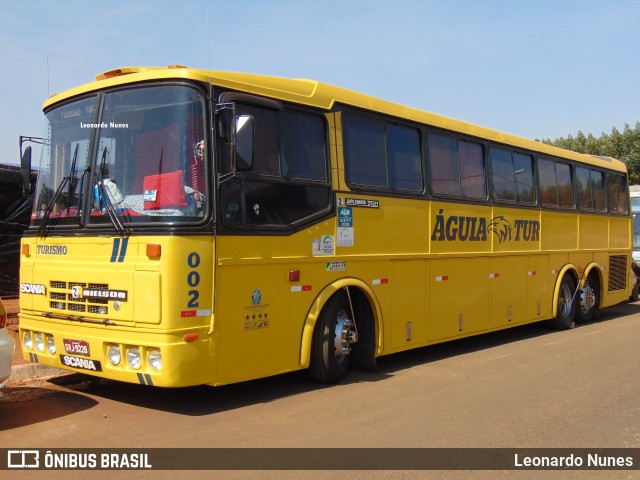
(39, 340)
(27, 341)
(133, 357)
(51, 345)
(154, 357)
(114, 354)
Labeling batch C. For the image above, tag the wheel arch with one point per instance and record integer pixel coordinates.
(593, 267)
(320, 301)
(571, 270)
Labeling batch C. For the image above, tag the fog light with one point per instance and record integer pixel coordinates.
(51, 345)
(154, 357)
(133, 357)
(39, 340)
(114, 354)
(27, 341)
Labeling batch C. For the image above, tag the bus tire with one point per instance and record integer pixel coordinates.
(331, 344)
(588, 304)
(566, 307)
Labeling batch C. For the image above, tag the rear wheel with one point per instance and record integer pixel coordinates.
(589, 303)
(566, 305)
(333, 336)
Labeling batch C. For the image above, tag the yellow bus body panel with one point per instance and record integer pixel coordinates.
(229, 308)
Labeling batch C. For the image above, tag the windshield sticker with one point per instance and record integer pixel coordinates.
(150, 195)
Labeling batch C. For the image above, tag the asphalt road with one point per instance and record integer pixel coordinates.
(523, 388)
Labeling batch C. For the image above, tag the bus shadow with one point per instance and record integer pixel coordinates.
(206, 400)
(433, 353)
(22, 406)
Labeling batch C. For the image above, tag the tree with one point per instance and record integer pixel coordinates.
(624, 146)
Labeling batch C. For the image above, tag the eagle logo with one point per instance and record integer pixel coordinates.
(501, 227)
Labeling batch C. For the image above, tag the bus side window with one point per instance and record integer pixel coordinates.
(365, 159)
(266, 159)
(617, 194)
(287, 182)
(590, 189)
(457, 167)
(512, 176)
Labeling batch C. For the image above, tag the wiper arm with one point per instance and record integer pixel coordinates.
(102, 192)
(72, 175)
(54, 199)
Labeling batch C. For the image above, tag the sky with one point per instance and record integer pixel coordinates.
(538, 69)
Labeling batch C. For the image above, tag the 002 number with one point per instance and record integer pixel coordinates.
(193, 280)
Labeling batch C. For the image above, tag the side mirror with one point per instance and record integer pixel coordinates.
(244, 142)
(25, 169)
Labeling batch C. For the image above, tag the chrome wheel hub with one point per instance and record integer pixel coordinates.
(344, 336)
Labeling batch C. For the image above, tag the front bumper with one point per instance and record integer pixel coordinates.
(183, 363)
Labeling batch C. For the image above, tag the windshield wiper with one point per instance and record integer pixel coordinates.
(54, 199)
(102, 193)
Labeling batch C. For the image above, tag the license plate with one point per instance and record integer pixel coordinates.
(77, 347)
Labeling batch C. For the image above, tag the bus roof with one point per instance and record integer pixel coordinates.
(320, 95)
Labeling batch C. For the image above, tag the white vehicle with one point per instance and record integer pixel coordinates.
(7, 345)
(634, 193)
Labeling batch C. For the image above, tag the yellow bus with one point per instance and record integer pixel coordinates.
(199, 227)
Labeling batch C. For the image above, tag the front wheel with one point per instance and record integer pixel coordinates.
(566, 306)
(333, 337)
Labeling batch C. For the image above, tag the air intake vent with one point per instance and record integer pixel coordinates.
(617, 272)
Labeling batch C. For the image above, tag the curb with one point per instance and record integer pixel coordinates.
(30, 371)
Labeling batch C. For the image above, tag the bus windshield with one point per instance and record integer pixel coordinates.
(125, 156)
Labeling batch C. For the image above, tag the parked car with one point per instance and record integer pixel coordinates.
(7, 345)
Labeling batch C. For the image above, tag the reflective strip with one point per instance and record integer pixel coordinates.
(443, 278)
(195, 313)
(301, 288)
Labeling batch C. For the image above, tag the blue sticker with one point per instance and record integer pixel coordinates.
(345, 217)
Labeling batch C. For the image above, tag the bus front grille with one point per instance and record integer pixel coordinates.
(67, 296)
